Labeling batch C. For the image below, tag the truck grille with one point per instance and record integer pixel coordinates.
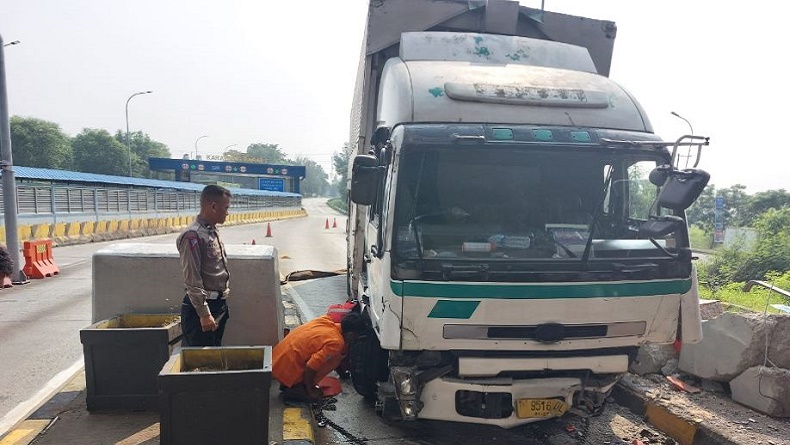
(546, 332)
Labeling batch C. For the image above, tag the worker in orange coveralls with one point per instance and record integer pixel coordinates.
(310, 352)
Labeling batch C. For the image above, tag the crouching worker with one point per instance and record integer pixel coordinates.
(310, 352)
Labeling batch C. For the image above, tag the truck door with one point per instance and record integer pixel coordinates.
(377, 250)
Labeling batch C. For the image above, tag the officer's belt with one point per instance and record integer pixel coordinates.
(214, 295)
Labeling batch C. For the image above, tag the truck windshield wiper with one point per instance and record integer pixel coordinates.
(597, 215)
(466, 271)
(565, 248)
(413, 212)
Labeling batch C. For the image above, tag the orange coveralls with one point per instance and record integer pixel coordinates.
(318, 344)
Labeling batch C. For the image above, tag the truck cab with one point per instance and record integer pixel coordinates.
(517, 229)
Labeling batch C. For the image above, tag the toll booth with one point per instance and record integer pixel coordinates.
(272, 177)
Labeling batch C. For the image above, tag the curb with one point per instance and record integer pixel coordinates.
(685, 431)
(21, 425)
(48, 408)
(299, 424)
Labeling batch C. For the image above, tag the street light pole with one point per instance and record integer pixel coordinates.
(8, 180)
(688, 149)
(687, 122)
(128, 142)
(196, 141)
(15, 42)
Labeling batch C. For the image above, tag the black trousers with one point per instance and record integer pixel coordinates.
(190, 323)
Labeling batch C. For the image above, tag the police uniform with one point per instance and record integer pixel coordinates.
(206, 278)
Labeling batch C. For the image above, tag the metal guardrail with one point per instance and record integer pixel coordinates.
(780, 307)
(53, 203)
(752, 283)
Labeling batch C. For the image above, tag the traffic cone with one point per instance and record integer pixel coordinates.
(326, 224)
(268, 230)
(334, 222)
(253, 242)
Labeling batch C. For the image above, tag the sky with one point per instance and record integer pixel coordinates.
(283, 72)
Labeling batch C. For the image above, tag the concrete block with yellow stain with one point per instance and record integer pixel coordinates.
(41, 231)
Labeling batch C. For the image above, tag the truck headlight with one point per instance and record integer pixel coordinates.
(405, 381)
(410, 409)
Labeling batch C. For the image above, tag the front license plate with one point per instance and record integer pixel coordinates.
(528, 408)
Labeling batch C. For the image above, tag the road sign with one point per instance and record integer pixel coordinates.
(718, 236)
(271, 184)
(719, 202)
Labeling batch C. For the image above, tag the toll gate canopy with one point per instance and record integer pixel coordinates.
(272, 177)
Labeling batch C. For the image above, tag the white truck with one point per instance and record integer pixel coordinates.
(516, 229)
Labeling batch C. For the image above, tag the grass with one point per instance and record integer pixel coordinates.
(755, 300)
(699, 239)
(338, 204)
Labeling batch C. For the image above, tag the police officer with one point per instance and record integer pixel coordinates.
(204, 311)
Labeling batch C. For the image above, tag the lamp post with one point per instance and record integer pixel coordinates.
(128, 142)
(688, 149)
(196, 141)
(15, 42)
(689, 123)
(9, 182)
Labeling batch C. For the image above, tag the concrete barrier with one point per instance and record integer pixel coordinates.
(112, 229)
(41, 231)
(124, 228)
(256, 310)
(87, 231)
(92, 231)
(73, 232)
(100, 232)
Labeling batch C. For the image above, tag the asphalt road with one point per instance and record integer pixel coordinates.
(40, 321)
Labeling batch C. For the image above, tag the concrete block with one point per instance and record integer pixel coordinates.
(24, 232)
(147, 279)
(710, 309)
(652, 357)
(733, 343)
(671, 367)
(41, 231)
(764, 389)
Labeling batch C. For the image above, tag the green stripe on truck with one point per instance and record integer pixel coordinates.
(453, 309)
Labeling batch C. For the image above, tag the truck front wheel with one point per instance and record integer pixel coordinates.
(368, 365)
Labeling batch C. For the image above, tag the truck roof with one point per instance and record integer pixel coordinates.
(464, 77)
(388, 19)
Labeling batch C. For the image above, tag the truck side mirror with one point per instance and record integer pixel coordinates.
(365, 174)
(682, 188)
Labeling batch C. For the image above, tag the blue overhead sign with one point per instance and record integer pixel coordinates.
(271, 184)
(221, 167)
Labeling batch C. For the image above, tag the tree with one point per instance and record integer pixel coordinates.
(237, 156)
(40, 143)
(340, 161)
(267, 153)
(735, 204)
(760, 202)
(700, 213)
(143, 147)
(316, 181)
(97, 151)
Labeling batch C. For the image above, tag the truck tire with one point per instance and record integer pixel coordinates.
(368, 365)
